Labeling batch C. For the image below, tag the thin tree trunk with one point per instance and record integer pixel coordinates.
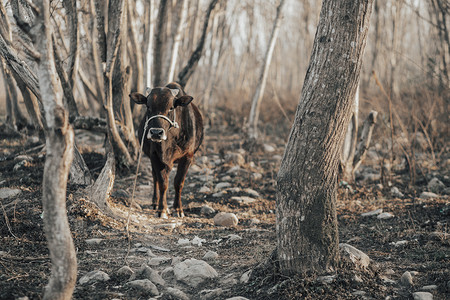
(151, 33)
(252, 125)
(307, 233)
(349, 147)
(176, 45)
(59, 140)
(158, 50)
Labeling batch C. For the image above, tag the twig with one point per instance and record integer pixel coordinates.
(7, 221)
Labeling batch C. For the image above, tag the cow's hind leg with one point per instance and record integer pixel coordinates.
(183, 166)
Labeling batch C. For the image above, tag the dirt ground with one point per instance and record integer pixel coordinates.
(415, 239)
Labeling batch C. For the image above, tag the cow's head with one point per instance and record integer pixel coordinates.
(160, 116)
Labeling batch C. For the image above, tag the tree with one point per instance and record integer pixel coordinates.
(307, 233)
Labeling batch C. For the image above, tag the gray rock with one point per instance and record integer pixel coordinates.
(268, 148)
(152, 275)
(94, 241)
(243, 200)
(193, 272)
(354, 256)
(385, 216)
(177, 294)
(159, 248)
(326, 279)
(22, 158)
(406, 279)
(428, 195)
(251, 192)
(7, 192)
(226, 219)
(234, 237)
(222, 185)
(372, 213)
(435, 185)
(431, 287)
(237, 298)
(125, 271)
(235, 159)
(156, 261)
(184, 242)
(210, 294)
(204, 190)
(144, 285)
(257, 176)
(94, 276)
(168, 273)
(210, 255)
(395, 192)
(206, 210)
(246, 276)
(358, 293)
(254, 221)
(422, 296)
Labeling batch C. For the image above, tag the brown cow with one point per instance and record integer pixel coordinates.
(173, 132)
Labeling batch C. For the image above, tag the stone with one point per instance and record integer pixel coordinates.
(156, 261)
(234, 170)
(94, 241)
(193, 272)
(372, 213)
(385, 216)
(268, 148)
(244, 200)
(251, 192)
(152, 275)
(7, 192)
(354, 256)
(358, 293)
(399, 243)
(422, 296)
(167, 273)
(326, 279)
(245, 277)
(210, 294)
(204, 190)
(206, 210)
(395, 192)
(23, 157)
(435, 185)
(210, 255)
(144, 285)
(237, 298)
(222, 185)
(226, 219)
(406, 279)
(177, 294)
(257, 176)
(235, 159)
(184, 242)
(431, 287)
(428, 195)
(125, 271)
(233, 237)
(159, 248)
(198, 241)
(94, 276)
(254, 221)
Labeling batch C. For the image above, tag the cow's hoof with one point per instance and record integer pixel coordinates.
(163, 215)
(178, 214)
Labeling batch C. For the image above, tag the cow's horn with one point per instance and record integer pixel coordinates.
(174, 92)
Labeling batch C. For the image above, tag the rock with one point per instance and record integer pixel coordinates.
(94, 276)
(7, 192)
(159, 248)
(210, 255)
(228, 281)
(177, 294)
(156, 261)
(354, 256)
(326, 279)
(206, 210)
(372, 213)
(210, 294)
(235, 159)
(245, 277)
(167, 273)
(244, 200)
(234, 170)
(204, 190)
(406, 279)
(198, 241)
(268, 148)
(395, 192)
(125, 271)
(184, 242)
(277, 157)
(358, 279)
(94, 241)
(428, 195)
(257, 176)
(431, 287)
(358, 293)
(251, 192)
(144, 285)
(152, 275)
(254, 221)
(422, 296)
(193, 272)
(226, 219)
(219, 194)
(22, 158)
(226, 178)
(237, 298)
(384, 216)
(399, 243)
(222, 185)
(233, 237)
(435, 185)
(176, 260)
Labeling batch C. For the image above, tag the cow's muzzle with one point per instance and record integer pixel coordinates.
(157, 135)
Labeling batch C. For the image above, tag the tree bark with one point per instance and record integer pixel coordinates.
(252, 125)
(307, 233)
(59, 142)
(158, 50)
(177, 40)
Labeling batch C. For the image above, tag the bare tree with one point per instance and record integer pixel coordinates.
(252, 128)
(177, 40)
(307, 233)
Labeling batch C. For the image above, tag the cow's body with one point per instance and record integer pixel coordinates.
(165, 144)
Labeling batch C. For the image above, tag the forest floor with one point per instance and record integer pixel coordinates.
(414, 238)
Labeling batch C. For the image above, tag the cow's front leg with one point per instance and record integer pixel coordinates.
(183, 166)
(163, 184)
(155, 199)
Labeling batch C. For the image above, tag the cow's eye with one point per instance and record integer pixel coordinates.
(172, 108)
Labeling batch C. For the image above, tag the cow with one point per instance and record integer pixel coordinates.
(171, 132)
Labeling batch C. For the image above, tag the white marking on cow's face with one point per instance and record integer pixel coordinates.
(174, 92)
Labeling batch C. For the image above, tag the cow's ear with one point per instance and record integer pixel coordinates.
(182, 101)
(138, 98)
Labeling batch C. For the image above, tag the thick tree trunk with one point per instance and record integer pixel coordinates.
(252, 128)
(176, 44)
(307, 233)
(59, 142)
(158, 50)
